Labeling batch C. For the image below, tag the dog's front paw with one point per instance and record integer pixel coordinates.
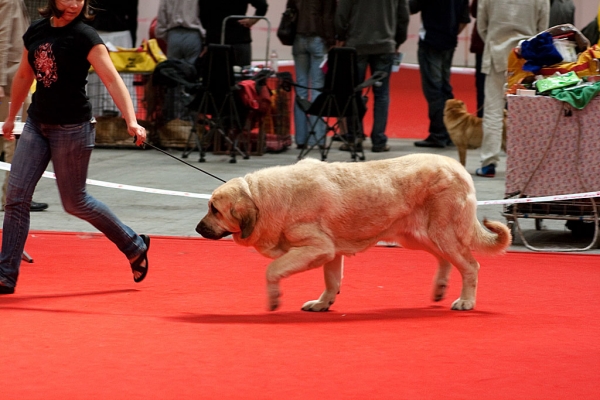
(316, 305)
(273, 295)
(439, 292)
(463, 305)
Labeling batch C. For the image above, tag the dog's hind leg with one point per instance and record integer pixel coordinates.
(469, 269)
(333, 272)
(440, 281)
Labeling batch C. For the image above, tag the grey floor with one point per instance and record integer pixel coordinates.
(159, 214)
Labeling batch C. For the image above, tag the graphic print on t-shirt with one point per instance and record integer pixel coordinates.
(45, 65)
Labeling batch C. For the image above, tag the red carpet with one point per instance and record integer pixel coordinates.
(407, 117)
(78, 327)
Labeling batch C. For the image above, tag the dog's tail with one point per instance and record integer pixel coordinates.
(493, 242)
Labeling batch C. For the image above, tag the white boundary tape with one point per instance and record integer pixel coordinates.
(6, 167)
(541, 199)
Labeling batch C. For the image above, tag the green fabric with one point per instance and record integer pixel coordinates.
(579, 96)
(557, 81)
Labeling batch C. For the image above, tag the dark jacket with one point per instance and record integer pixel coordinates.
(441, 21)
(115, 16)
(213, 12)
(372, 26)
(315, 18)
(561, 12)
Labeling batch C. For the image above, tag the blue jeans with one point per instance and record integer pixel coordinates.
(435, 79)
(69, 147)
(381, 94)
(184, 44)
(309, 52)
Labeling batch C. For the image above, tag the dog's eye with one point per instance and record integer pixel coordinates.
(213, 209)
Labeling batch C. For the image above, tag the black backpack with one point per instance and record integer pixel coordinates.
(591, 31)
(172, 72)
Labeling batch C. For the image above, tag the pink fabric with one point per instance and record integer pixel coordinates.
(552, 155)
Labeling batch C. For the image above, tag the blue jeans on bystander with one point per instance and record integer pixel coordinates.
(309, 52)
(435, 67)
(381, 94)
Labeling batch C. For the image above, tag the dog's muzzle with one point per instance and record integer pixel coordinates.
(208, 232)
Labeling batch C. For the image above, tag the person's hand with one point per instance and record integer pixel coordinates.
(138, 132)
(7, 129)
(247, 22)
(2, 93)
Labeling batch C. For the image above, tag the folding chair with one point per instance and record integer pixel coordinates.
(218, 106)
(341, 98)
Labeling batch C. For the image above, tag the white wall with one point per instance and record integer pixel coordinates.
(585, 11)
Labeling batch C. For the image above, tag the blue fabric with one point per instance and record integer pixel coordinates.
(539, 52)
(69, 147)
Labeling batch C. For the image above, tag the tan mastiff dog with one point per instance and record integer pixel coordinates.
(313, 213)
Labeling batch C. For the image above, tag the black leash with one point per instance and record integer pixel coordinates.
(180, 160)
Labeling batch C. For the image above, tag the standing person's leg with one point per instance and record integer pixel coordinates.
(242, 54)
(446, 90)
(316, 53)
(184, 44)
(446, 87)
(301, 66)
(71, 147)
(430, 65)
(479, 84)
(354, 125)
(381, 95)
(29, 162)
(7, 146)
(492, 123)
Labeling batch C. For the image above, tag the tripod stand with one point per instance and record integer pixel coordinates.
(217, 105)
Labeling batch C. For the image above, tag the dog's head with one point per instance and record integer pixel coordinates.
(453, 106)
(230, 211)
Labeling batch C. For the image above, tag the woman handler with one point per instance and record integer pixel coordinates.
(59, 50)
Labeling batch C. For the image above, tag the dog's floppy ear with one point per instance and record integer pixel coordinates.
(244, 210)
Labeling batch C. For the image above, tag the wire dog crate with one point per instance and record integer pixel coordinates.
(581, 216)
(111, 129)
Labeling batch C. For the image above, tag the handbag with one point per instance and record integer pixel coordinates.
(591, 32)
(287, 27)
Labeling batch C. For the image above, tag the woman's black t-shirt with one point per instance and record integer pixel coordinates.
(58, 57)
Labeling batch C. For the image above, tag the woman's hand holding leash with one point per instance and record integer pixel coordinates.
(139, 134)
